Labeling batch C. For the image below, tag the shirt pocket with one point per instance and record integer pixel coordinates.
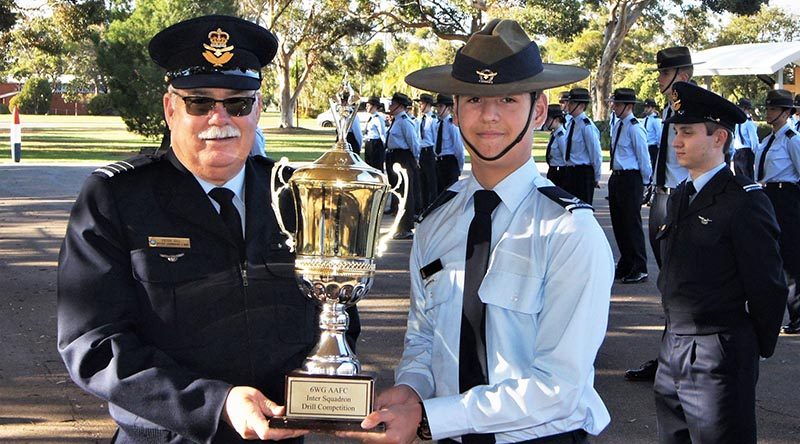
(777, 160)
(517, 293)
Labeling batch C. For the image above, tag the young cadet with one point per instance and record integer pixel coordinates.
(402, 147)
(745, 140)
(721, 282)
(177, 303)
(556, 145)
(449, 148)
(563, 102)
(510, 277)
(674, 65)
(582, 154)
(427, 158)
(777, 167)
(374, 146)
(652, 126)
(630, 172)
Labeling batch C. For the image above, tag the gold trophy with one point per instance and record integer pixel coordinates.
(339, 201)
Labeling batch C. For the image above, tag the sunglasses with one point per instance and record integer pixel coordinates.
(201, 105)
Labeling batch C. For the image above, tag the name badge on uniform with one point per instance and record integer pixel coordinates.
(168, 242)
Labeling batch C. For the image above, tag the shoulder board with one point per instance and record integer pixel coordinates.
(587, 121)
(560, 132)
(440, 200)
(634, 120)
(566, 200)
(790, 133)
(450, 118)
(405, 116)
(747, 184)
(124, 166)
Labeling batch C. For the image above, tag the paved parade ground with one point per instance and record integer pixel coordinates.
(39, 403)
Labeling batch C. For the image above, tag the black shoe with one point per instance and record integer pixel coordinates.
(645, 372)
(792, 328)
(403, 235)
(634, 278)
(619, 274)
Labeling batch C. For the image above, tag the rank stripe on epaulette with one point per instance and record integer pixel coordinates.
(752, 187)
(122, 166)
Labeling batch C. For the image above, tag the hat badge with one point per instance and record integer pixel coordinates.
(676, 101)
(486, 76)
(218, 52)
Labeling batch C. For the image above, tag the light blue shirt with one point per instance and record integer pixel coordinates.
(426, 127)
(746, 135)
(782, 163)
(402, 135)
(376, 127)
(585, 145)
(547, 292)
(558, 147)
(675, 173)
(630, 150)
(452, 145)
(703, 179)
(652, 126)
(236, 184)
(356, 131)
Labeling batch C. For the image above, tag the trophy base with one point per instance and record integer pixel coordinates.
(321, 425)
(327, 403)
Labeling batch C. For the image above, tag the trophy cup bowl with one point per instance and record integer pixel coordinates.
(339, 201)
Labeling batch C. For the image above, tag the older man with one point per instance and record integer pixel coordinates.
(177, 303)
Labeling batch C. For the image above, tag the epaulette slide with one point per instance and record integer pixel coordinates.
(790, 133)
(440, 200)
(752, 187)
(587, 121)
(124, 165)
(566, 200)
(634, 120)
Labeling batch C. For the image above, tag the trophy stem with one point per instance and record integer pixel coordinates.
(332, 355)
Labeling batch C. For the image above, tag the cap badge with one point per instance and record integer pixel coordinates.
(218, 52)
(676, 101)
(486, 76)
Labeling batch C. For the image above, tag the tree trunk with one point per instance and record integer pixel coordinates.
(622, 16)
(285, 86)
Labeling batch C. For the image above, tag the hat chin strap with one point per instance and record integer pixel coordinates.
(777, 117)
(674, 76)
(512, 144)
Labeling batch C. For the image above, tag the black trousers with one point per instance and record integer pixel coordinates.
(351, 139)
(427, 174)
(743, 162)
(375, 153)
(653, 150)
(406, 160)
(625, 190)
(658, 215)
(785, 198)
(556, 175)
(579, 181)
(447, 172)
(705, 387)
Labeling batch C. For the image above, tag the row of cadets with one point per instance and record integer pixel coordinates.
(557, 145)
(582, 153)
(652, 126)
(375, 143)
(402, 147)
(426, 123)
(777, 167)
(745, 141)
(448, 148)
(630, 172)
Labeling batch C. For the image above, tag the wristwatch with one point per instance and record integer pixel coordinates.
(423, 429)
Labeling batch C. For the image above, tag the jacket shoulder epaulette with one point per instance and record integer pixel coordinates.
(127, 165)
(634, 121)
(747, 184)
(563, 198)
(444, 197)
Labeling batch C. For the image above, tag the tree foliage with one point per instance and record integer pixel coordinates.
(34, 98)
(8, 15)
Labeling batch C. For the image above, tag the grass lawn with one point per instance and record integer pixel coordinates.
(101, 139)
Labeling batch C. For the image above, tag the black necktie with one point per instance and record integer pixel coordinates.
(230, 216)
(764, 157)
(388, 132)
(549, 147)
(645, 124)
(472, 368)
(569, 139)
(422, 127)
(688, 192)
(661, 157)
(741, 135)
(614, 146)
(438, 149)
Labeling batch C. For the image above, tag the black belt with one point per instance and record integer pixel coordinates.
(781, 185)
(624, 172)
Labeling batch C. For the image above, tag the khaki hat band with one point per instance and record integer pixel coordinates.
(522, 65)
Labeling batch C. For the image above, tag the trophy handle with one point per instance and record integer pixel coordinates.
(275, 190)
(402, 175)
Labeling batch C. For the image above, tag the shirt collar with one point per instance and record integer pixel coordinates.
(701, 181)
(236, 184)
(512, 190)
